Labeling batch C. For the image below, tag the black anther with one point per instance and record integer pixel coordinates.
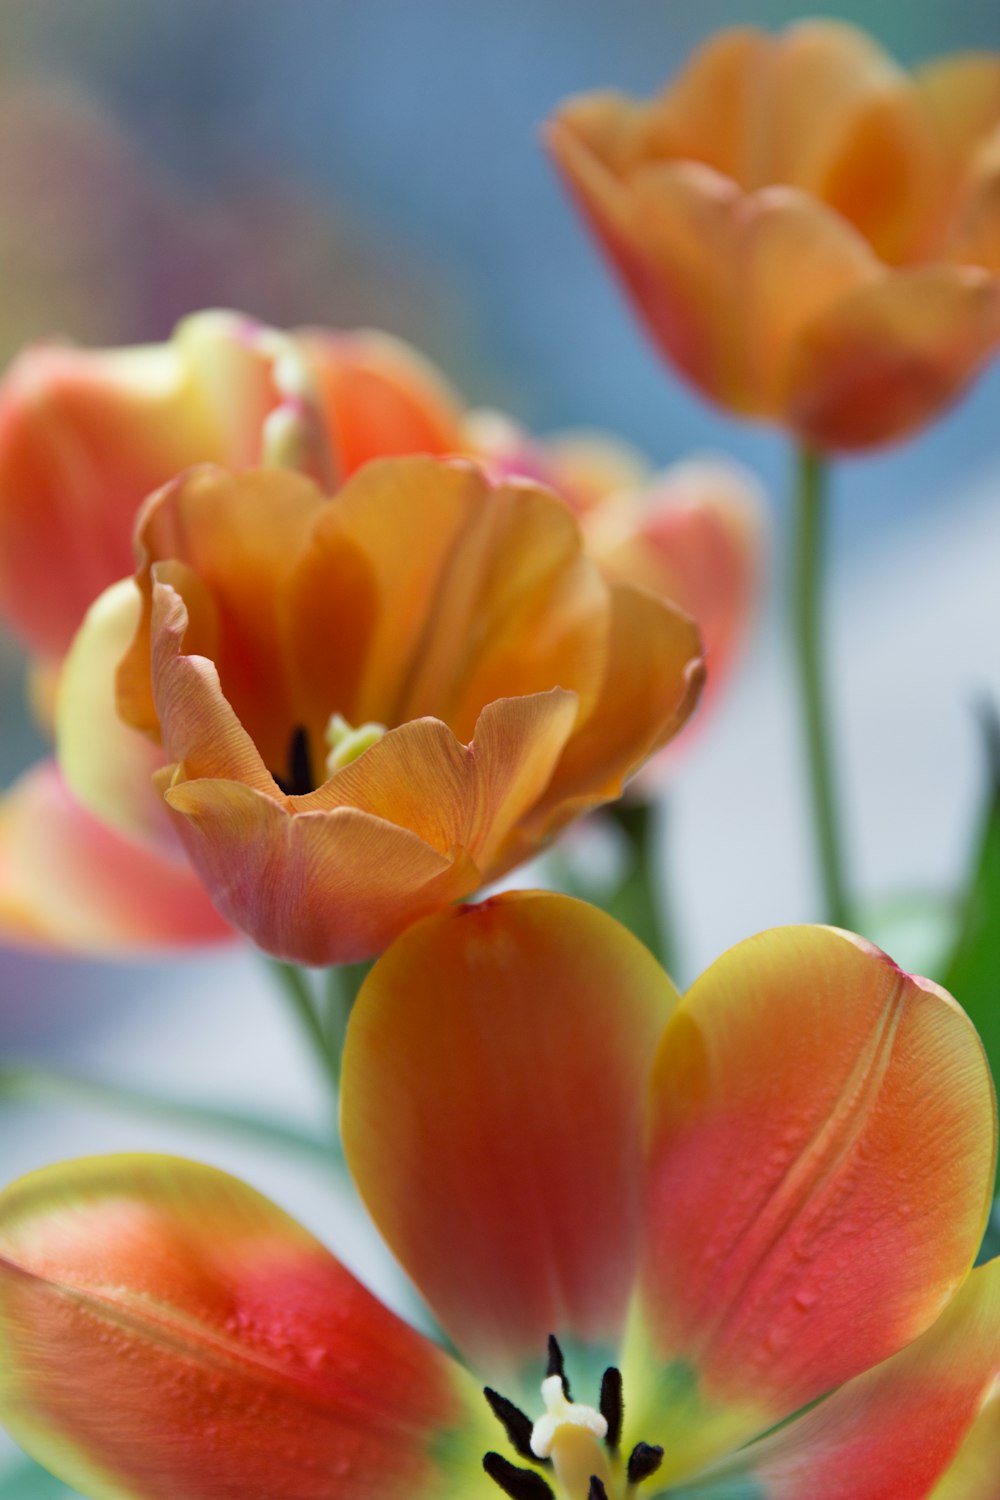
(517, 1426)
(611, 1406)
(644, 1460)
(597, 1490)
(298, 782)
(519, 1484)
(557, 1365)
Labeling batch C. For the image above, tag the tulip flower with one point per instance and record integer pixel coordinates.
(85, 436)
(809, 235)
(369, 706)
(709, 1247)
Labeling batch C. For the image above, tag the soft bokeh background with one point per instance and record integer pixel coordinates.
(355, 163)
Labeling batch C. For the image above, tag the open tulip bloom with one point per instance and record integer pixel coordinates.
(653, 1229)
(355, 734)
(809, 235)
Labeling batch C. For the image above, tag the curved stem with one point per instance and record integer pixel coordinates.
(807, 608)
(303, 1005)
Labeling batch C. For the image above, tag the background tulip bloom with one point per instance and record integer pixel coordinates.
(809, 234)
(371, 705)
(653, 1228)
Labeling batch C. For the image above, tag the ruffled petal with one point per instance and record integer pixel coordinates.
(896, 1430)
(888, 357)
(821, 1151)
(167, 1331)
(314, 887)
(492, 1115)
(69, 882)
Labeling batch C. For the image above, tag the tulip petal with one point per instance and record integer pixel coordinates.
(379, 397)
(821, 1145)
(166, 1331)
(484, 594)
(893, 1432)
(888, 356)
(962, 93)
(492, 1117)
(975, 233)
(315, 887)
(108, 765)
(84, 437)
(69, 882)
(975, 1472)
(652, 684)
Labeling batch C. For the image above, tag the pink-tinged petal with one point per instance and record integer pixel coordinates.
(108, 765)
(974, 1474)
(69, 882)
(492, 1114)
(314, 887)
(380, 397)
(167, 1331)
(821, 1153)
(893, 1432)
(888, 357)
(84, 437)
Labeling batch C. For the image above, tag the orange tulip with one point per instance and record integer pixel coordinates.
(357, 734)
(810, 235)
(85, 436)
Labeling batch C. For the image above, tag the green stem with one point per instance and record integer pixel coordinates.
(302, 1003)
(343, 984)
(807, 608)
(25, 1081)
(638, 901)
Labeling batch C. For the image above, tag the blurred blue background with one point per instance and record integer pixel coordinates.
(343, 162)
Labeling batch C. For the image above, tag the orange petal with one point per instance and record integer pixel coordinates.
(380, 397)
(891, 1433)
(167, 1331)
(962, 93)
(822, 1143)
(703, 112)
(451, 795)
(651, 687)
(313, 887)
(888, 357)
(484, 594)
(230, 541)
(492, 1116)
(68, 881)
(974, 1473)
(975, 234)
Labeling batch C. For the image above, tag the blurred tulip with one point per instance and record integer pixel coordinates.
(729, 1235)
(357, 734)
(810, 235)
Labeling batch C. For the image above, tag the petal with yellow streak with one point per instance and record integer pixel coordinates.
(167, 1331)
(492, 1116)
(69, 882)
(888, 357)
(821, 1151)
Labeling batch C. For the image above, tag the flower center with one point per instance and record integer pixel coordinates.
(346, 744)
(578, 1445)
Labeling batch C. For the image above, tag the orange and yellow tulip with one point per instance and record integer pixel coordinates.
(809, 234)
(354, 733)
(85, 436)
(686, 1220)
